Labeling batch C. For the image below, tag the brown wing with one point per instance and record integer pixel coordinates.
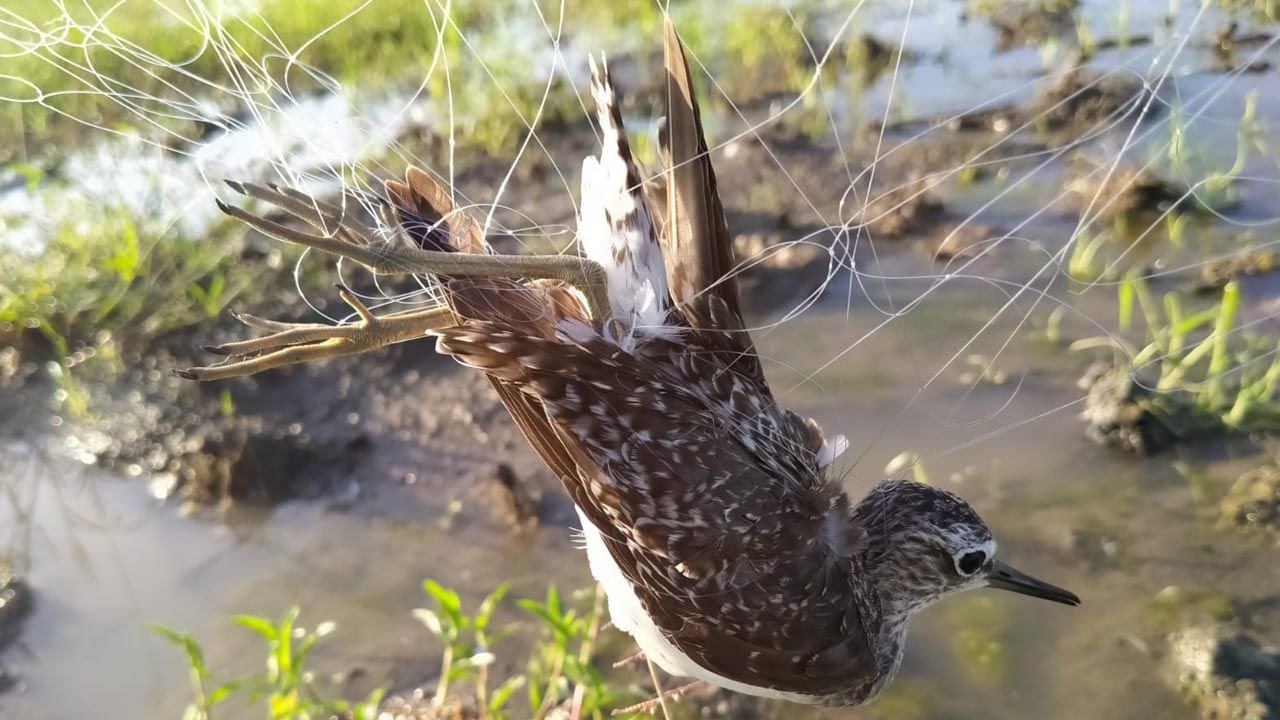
(697, 246)
(425, 211)
(427, 214)
(742, 561)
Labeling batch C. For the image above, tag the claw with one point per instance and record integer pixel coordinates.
(354, 303)
(337, 233)
(293, 343)
(258, 323)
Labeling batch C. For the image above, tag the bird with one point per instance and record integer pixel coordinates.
(723, 538)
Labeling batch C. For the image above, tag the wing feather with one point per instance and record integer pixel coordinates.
(712, 538)
(696, 242)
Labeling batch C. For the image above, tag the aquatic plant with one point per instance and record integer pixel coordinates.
(907, 463)
(559, 668)
(1212, 186)
(467, 642)
(69, 62)
(1226, 375)
(284, 687)
(103, 275)
(979, 627)
(1262, 11)
(1085, 262)
(1252, 502)
(106, 284)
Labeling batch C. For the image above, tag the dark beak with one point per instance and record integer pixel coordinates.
(1006, 578)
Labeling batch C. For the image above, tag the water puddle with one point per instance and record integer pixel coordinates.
(105, 561)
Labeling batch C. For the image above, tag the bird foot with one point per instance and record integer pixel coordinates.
(295, 343)
(383, 249)
(629, 660)
(652, 704)
(378, 250)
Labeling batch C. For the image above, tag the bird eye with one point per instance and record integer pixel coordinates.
(971, 562)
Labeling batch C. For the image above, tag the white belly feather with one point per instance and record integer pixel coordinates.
(628, 615)
(615, 230)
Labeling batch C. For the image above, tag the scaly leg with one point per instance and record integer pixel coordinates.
(659, 702)
(293, 343)
(629, 660)
(338, 233)
(340, 237)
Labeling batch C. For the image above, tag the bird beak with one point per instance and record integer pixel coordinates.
(1003, 577)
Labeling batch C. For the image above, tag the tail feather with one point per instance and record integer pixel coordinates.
(425, 211)
(697, 243)
(615, 226)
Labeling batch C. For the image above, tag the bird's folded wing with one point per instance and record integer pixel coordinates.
(720, 547)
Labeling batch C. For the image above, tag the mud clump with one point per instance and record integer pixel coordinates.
(1127, 193)
(1253, 502)
(907, 210)
(969, 155)
(420, 706)
(250, 461)
(771, 252)
(1078, 102)
(1018, 23)
(774, 271)
(1214, 275)
(193, 442)
(961, 242)
(15, 604)
(1081, 99)
(1126, 414)
(913, 212)
(1225, 673)
(517, 506)
(1230, 40)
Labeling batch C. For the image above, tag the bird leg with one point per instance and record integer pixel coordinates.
(629, 660)
(293, 343)
(337, 233)
(339, 237)
(657, 687)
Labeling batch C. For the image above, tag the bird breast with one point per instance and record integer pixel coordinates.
(628, 615)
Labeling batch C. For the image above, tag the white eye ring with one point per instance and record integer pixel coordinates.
(970, 562)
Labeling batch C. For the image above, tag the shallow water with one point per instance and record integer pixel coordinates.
(105, 560)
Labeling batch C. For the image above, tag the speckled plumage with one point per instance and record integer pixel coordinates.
(727, 550)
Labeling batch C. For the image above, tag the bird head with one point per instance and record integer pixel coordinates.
(926, 543)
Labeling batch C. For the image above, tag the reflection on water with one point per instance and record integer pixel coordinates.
(305, 139)
(105, 561)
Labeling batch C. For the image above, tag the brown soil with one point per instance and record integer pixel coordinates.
(1070, 105)
(1030, 22)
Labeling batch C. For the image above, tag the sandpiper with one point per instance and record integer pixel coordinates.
(725, 545)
